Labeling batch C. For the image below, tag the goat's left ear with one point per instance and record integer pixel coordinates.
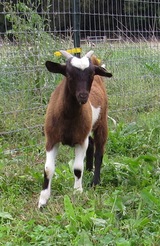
(54, 67)
(102, 72)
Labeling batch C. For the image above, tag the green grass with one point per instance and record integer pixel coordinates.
(124, 209)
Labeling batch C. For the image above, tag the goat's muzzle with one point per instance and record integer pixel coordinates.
(82, 97)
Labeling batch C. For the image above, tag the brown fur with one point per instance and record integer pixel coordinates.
(71, 124)
(69, 119)
(64, 123)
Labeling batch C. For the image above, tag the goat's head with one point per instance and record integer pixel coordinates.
(79, 73)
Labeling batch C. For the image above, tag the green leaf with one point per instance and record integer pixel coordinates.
(150, 198)
(129, 129)
(5, 215)
(147, 158)
(122, 242)
(141, 223)
(84, 239)
(69, 210)
(99, 222)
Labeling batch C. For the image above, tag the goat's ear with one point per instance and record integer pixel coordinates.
(102, 72)
(54, 67)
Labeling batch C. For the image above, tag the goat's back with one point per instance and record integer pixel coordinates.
(98, 95)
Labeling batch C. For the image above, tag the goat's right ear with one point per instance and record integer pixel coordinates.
(102, 72)
(54, 67)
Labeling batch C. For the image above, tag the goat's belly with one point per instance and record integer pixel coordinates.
(71, 137)
(67, 139)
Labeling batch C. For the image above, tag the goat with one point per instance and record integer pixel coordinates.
(77, 107)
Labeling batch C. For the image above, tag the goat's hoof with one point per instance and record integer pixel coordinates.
(41, 204)
(41, 207)
(94, 184)
(44, 196)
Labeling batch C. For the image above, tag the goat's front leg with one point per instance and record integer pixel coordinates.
(80, 153)
(48, 174)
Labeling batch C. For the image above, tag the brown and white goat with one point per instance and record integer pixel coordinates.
(77, 107)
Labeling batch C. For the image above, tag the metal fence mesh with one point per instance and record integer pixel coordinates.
(124, 35)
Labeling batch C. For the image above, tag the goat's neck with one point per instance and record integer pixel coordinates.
(71, 106)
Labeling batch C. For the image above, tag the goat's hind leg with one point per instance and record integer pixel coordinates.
(100, 137)
(90, 155)
(48, 174)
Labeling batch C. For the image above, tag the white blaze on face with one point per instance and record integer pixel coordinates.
(80, 63)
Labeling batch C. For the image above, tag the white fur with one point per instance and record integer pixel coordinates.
(80, 63)
(49, 169)
(95, 114)
(80, 153)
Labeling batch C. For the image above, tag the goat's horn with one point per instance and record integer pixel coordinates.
(89, 54)
(66, 54)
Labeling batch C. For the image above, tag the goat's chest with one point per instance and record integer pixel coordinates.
(75, 131)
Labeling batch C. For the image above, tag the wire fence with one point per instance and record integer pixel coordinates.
(124, 35)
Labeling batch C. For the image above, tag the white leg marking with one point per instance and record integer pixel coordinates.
(49, 169)
(80, 153)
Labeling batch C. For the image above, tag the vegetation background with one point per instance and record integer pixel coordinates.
(134, 17)
(124, 209)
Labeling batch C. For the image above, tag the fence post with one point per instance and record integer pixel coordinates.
(76, 24)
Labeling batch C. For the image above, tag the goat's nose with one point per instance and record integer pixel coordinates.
(83, 95)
